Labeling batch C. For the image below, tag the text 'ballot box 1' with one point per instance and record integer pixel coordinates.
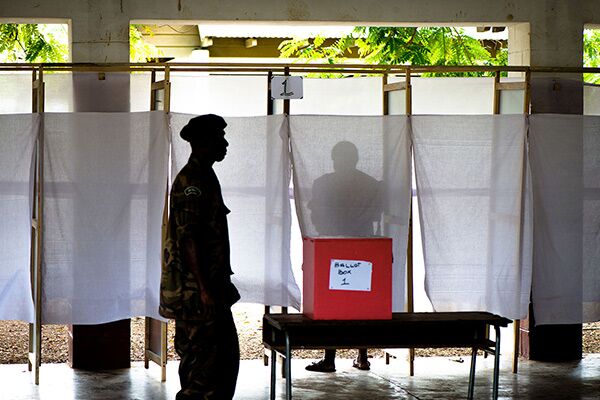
(347, 278)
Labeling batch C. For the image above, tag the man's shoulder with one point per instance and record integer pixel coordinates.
(325, 179)
(192, 185)
(367, 178)
(189, 176)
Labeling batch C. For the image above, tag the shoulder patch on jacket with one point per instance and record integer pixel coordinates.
(192, 191)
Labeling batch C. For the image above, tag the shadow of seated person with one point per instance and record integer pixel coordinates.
(345, 203)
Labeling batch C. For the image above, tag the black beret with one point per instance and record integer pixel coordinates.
(202, 125)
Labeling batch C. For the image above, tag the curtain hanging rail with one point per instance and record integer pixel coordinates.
(293, 68)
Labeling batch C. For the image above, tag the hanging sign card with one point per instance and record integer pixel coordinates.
(286, 87)
(350, 275)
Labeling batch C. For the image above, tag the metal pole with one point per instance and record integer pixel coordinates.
(384, 81)
(273, 373)
(472, 374)
(288, 367)
(496, 363)
(286, 102)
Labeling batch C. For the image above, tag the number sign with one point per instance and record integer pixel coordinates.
(286, 87)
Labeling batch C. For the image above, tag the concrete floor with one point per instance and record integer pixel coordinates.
(435, 378)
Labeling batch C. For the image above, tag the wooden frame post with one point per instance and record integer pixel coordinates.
(409, 250)
(271, 111)
(35, 328)
(410, 306)
(498, 88)
(517, 322)
(155, 341)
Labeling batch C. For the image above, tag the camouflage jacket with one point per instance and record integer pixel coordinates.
(197, 212)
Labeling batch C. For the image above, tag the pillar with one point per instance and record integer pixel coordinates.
(101, 36)
(552, 38)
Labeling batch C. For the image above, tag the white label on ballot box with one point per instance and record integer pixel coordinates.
(350, 275)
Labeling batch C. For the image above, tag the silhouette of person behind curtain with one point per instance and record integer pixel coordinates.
(348, 203)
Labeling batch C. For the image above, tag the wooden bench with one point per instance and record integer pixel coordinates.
(284, 332)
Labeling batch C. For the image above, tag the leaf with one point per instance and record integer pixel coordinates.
(318, 41)
(26, 43)
(404, 45)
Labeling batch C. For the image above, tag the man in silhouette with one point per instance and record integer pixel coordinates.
(346, 202)
(196, 288)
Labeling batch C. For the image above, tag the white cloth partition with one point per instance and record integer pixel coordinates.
(254, 177)
(105, 180)
(17, 138)
(106, 176)
(352, 178)
(475, 222)
(566, 170)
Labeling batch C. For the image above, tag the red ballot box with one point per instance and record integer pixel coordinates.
(347, 278)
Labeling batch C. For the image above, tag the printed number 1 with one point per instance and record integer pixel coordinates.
(285, 92)
(344, 282)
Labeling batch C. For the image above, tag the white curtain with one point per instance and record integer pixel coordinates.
(566, 170)
(475, 217)
(17, 136)
(105, 177)
(352, 178)
(254, 177)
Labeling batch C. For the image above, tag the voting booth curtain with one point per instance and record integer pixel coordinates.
(475, 212)
(105, 177)
(565, 163)
(17, 137)
(254, 179)
(352, 179)
(105, 182)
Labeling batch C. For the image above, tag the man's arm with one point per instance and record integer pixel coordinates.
(191, 255)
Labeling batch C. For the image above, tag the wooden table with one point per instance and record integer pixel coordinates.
(284, 332)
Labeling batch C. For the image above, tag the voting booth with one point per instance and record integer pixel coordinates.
(347, 278)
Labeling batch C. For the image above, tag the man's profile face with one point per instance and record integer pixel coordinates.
(217, 145)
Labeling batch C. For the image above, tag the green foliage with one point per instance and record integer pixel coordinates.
(591, 54)
(27, 43)
(139, 49)
(398, 46)
(417, 46)
(32, 43)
